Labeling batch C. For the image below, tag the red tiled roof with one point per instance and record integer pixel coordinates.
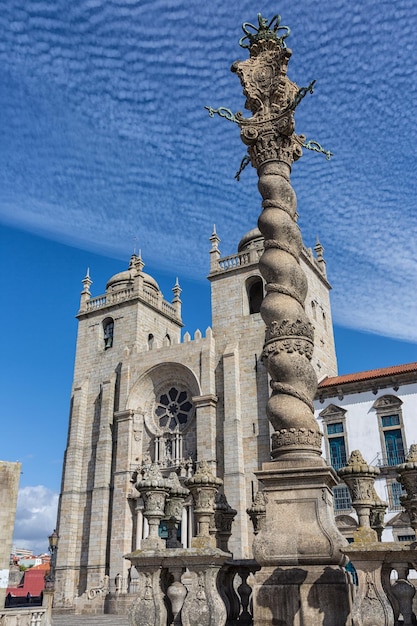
(368, 375)
(41, 566)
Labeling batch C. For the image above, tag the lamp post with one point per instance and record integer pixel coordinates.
(53, 547)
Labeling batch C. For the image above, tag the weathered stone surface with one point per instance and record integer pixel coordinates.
(9, 485)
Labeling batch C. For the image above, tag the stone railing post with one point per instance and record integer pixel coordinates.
(359, 478)
(154, 489)
(203, 487)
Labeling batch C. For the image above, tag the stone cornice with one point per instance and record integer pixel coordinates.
(375, 384)
(207, 400)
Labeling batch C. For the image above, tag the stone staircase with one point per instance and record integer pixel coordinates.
(89, 620)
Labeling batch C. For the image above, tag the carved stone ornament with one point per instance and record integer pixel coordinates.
(377, 514)
(203, 487)
(257, 512)
(173, 509)
(270, 95)
(148, 609)
(153, 488)
(203, 605)
(359, 478)
(297, 438)
(223, 518)
(287, 329)
(407, 476)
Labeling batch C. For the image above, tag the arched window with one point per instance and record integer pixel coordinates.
(151, 339)
(167, 340)
(255, 291)
(313, 308)
(108, 332)
(324, 320)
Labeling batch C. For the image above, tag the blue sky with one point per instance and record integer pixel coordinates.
(104, 139)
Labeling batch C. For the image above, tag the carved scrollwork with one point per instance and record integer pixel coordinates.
(288, 328)
(296, 437)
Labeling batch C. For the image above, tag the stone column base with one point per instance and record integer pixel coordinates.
(299, 526)
(301, 596)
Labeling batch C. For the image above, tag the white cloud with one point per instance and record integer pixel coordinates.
(36, 515)
(104, 127)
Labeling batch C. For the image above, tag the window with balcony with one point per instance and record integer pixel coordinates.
(389, 414)
(334, 427)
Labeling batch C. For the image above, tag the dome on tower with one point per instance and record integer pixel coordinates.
(252, 239)
(120, 280)
(125, 279)
(149, 281)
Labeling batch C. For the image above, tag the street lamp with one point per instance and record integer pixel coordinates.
(53, 547)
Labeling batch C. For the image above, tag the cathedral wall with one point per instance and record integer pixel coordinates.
(318, 308)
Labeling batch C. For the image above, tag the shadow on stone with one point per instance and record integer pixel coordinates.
(280, 594)
(330, 598)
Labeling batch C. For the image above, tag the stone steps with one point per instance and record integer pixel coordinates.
(89, 620)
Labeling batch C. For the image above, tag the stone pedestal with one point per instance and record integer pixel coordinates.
(299, 550)
(301, 596)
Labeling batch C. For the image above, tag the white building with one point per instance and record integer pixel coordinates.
(374, 412)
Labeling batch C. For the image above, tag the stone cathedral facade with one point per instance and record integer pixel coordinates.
(143, 393)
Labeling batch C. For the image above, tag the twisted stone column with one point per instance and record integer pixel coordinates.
(298, 545)
(272, 147)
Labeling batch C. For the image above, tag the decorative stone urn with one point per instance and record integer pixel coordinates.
(203, 487)
(359, 478)
(154, 489)
(408, 478)
(173, 509)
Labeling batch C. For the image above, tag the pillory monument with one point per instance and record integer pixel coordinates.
(169, 441)
(298, 546)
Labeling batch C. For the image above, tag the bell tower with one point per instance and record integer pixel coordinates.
(237, 291)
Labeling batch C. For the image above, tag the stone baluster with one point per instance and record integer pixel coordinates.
(203, 605)
(154, 489)
(176, 593)
(359, 478)
(203, 487)
(404, 592)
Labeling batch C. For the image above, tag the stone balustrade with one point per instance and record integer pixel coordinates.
(108, 299)
(23, 617)
(380, 598)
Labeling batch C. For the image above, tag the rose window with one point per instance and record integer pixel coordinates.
(173, 409)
